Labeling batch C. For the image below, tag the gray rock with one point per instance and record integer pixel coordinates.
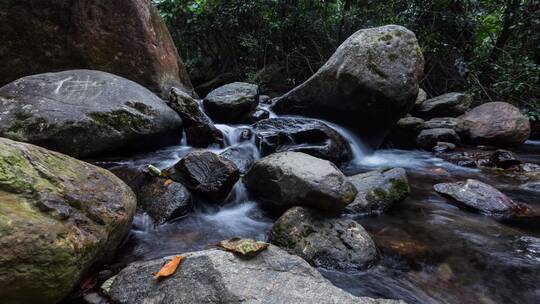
(199, 129)
(428, 139)
(215, 276)
(301, 135)
(421, 98)
(288, 179)
(442, 147)
(378, 190)
(207, 174)
(58, 217)
(232, 102)
(404, 133)
(478, 196)
(258, 115)
(450, 104)
(163, 201)
(504, 159)
(86, 113)
(323, 241)
(368, 84)
(495, 123)
(442, 123)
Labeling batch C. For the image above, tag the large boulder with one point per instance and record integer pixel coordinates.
(288, 179)
(495, 123)
(323, 241)
(162, 199)
(123, 37)
(86, 113)
(216, 276)
(379, 190)
(199, 129)
(232, 103)
(449, 104)
(369, 83)
(301, 135)
(58, 217)
(478, 196)
(210, 175)
(428, 138)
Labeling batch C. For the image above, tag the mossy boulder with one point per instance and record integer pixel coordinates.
(85, 113)
(324, 241)
(379, 190)
(369, 83)
(58, 217)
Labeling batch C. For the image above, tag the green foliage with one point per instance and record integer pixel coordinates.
(488, 48)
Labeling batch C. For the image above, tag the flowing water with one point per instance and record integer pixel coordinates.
(432, 251)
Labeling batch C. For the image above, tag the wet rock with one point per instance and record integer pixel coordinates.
(163, 200)
(243, 156)
(495, 123)
(442, 123)
(450, 104)
(287, 179)
(420, 98)
(504, 159)
(265, 99)
(94, 298)
(443, 147)
(207, 174)
(428, 139)
(85, 113)
(379, 190)
(58, 216)
(323, 241)
(301, 135)
(404, 134)
(478, 196)
(258, 115)
(232, 103)
(199, 129)
(126, 37)
(368, 84)
(217, 276)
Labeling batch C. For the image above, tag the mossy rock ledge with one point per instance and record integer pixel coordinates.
(58, 217)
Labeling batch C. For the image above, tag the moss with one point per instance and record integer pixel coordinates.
(372, 66)
(393, 57)
(387, 37)
(121, 120)
(399, 189)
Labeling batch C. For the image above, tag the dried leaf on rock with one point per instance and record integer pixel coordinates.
(169, 268)
(243, 247)
(168, 182)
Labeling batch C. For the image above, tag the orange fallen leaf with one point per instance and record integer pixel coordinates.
(168, 182)
(169, 268)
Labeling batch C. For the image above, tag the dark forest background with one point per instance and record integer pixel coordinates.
(490, 49)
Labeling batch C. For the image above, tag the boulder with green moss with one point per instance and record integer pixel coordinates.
(379, 190)
(324, 241)
(85, 113)
(369, 83)
(58, 216)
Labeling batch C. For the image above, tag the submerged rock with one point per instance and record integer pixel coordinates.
(288, 179)
(478, 196)
(163, 199)
(379, 190)
(126, 37)
(217, 276)
(199, 129)
(323, 241)
(504, 159)
(58, 216)
(85, 113)
(450, 104)
(369, 83)
(301, 135)
(232, 103)
(428, 139)
(207, 174)
(495, 123)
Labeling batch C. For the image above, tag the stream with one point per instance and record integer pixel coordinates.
(432, 251)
